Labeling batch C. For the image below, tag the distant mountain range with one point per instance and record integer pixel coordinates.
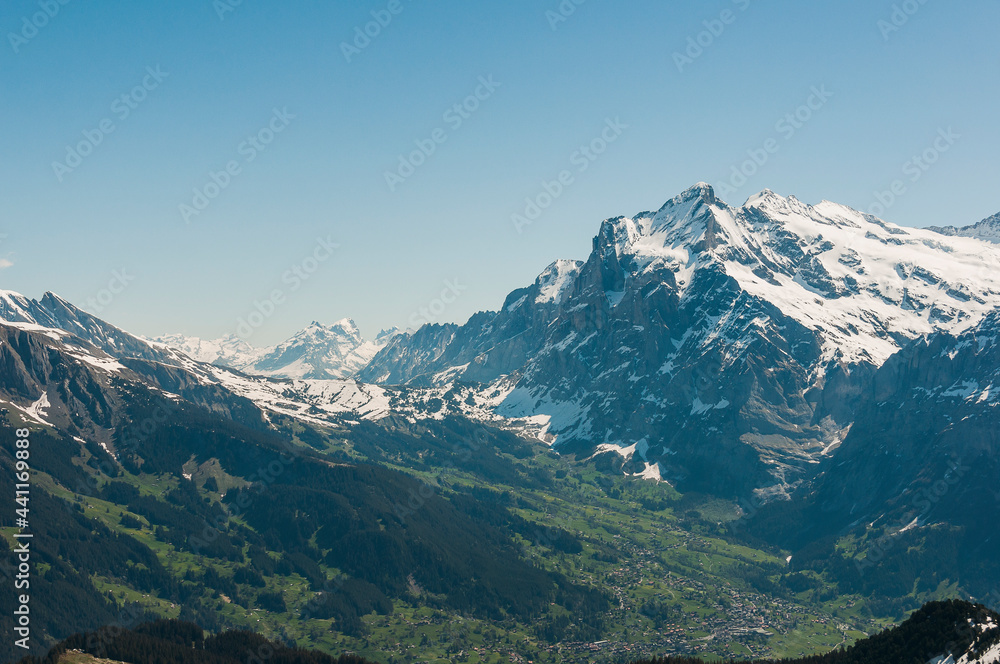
(833, 375)
(988, 229)
(173, 449)
(317, 351)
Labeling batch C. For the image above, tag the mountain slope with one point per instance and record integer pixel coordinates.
(909, 501)
(963, 632)
(721, 348)
(139, 456)
(932, 413)
(179, 642)
(105, 431)
(255, 401)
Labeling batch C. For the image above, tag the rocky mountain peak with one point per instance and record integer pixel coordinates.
(347, 326)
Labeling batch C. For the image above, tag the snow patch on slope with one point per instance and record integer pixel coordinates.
(556, 279)
(37, 410)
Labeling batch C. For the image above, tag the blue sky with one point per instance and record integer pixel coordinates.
(309, 133)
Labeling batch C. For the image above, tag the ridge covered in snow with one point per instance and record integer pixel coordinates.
(988, 229)
(321, 352)
(866, 285)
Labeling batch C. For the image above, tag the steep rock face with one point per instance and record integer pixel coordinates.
(926, 441)
(408, 355)
(488, 346)
(16, 308)
(88, 410)
(54, 313)
(149, 372)
(725, 349)
(61, 381)
(105, 336)
(55, 378)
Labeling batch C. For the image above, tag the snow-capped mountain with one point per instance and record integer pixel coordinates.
(16, 308)
(318, 351)
(51, 333)
(775, 350)
(96, 417)
(63, 367)
(715, 346)
(988, 229)
(229, 351)
(721, 348)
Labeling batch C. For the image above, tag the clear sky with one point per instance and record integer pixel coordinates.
(115, 112)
